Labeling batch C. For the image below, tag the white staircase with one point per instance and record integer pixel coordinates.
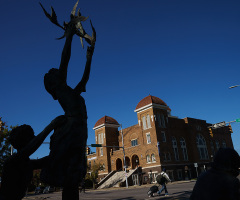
(115, 179)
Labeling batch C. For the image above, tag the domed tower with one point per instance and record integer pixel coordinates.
(152, 113)
(106, 133)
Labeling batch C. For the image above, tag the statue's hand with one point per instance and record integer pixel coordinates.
(58, 121)
(70, 30)
(91, 39)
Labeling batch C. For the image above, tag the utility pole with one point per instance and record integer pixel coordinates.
(11, 150)
(124, 158)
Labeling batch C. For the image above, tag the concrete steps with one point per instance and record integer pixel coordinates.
(115, 179)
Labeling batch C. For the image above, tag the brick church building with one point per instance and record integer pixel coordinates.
(183, 146)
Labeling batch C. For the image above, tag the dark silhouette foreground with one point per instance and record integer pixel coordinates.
(66, 166)
(220, 182)
(18, 168)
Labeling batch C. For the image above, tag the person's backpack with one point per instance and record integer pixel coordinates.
(160, 179)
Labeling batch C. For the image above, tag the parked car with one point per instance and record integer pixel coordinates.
(48, 189)
(39, 190)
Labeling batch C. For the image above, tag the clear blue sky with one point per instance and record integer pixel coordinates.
(185, 52)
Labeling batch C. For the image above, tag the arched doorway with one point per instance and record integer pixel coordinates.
(119, 164)
(128, 162)
(135, 161)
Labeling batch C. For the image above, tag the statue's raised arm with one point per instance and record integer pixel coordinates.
(81, 87)
(66, 166)
(71, 28)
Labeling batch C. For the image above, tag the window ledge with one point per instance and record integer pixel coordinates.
(151, 162)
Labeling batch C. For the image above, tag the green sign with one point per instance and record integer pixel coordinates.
(96, 145)
(238, 120)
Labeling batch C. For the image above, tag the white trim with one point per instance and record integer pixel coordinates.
(93, 158)
(151, 166)
(153, 172)
(102, 173)
(150, 162)
(106, 125)
(150, 106)
(148, 133)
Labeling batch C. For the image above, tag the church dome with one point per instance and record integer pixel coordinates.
(151, 100)
(106, 120)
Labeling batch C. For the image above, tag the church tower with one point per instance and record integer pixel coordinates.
(106, 133)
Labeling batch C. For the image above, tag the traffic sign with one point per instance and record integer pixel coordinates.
(220, 124)
(238, 120)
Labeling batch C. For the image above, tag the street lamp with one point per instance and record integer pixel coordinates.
(124, 158)
(151, 178)
(233, 86)
(11, 150)
(139, 181)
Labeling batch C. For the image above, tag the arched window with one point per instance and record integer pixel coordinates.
(212, 147)
(148, 122)
(103, 166)
(164, 157)
(175, 148)
(202, 147)
(163, 136)
(163, 121)
(184, 149)
(224, 145)
(153, 157)
(168, 156)
(217, 145)
(144, 123)
(89, 164)
(158, 120)
(148, 159)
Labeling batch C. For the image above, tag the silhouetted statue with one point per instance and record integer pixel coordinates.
(220, 182)
(18, 168)
(67, 160)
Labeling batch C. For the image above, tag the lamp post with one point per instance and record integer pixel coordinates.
(139, 181)
(151, 178)
(11, 150)
(124, 158)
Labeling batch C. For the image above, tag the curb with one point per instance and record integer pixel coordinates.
(142, 186)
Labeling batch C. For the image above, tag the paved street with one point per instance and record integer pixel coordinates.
(177, 190)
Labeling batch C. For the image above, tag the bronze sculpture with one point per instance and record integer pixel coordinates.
(67, 159)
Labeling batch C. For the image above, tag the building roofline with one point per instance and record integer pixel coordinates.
(106, 125)
(154, 105)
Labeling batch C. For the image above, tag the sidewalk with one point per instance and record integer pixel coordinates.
(58, 195)
(142, 186)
